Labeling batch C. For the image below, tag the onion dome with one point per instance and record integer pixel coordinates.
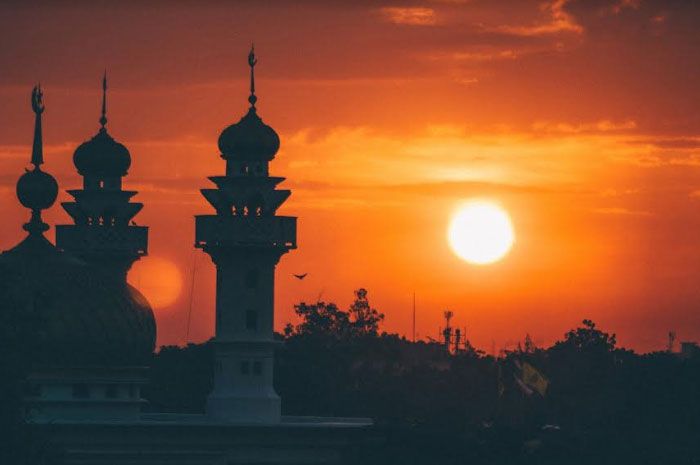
(249, 139)
(102, 156)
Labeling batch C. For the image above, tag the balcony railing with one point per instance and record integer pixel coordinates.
(130, 239)
(276, 231)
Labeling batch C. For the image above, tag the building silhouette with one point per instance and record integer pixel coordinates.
(93, 335)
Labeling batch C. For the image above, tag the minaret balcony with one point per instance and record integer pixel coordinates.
(256, 231)
(103, 239)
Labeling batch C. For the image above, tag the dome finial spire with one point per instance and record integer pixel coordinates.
(38, 108)
(103, 118)
(252, 61)
(37, 190)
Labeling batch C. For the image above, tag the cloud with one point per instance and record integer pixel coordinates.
(621, 211)
(484, 56)
(676, 143)
(447, 154)
(464, 188)
(558, 21)
(656, 159)
(14, 152)
(604, 125)
(610, 192)
(607, 7)
(412, 16)
(465, 81)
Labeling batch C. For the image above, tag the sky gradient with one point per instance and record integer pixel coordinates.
(578, 117)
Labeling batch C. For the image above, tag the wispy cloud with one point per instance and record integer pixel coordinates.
(558, 21)
(412, 16)
(14, 152)
(604, 125)
(621, 211)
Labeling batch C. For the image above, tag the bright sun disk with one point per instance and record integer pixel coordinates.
(481, 233)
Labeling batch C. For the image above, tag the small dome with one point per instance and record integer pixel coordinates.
(102, 156)
(75, 317)
(249, 139)
(37, 190)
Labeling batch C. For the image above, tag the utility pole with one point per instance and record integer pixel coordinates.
(414, 317)
(447, 332)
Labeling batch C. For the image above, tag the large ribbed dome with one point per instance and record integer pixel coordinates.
(102, 156)
(76, 316)
(249, 139)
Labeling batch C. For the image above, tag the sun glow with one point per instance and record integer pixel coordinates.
(481, 233)
(158, 279)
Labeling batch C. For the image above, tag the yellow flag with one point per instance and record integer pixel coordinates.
(534, 379)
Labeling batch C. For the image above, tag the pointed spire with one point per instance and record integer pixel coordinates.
(38, 107)
(252, 61)
(103, 118)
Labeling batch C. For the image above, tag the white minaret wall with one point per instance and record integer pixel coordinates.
(245, 283)
(243, 379)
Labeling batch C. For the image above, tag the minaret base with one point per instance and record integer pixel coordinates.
(240, 409)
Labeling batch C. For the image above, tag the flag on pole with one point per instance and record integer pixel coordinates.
(523, 387)
(534, 379)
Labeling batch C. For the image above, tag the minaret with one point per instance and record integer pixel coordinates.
(37, 190)
(245, 239)
(104, 234)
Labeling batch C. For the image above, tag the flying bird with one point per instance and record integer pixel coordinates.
(300, 276)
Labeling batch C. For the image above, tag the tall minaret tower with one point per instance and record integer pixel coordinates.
(245, 240)
(104, 234)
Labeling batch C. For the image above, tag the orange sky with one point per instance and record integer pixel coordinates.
(579, 117)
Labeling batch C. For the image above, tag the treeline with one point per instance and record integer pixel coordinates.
(582, 400)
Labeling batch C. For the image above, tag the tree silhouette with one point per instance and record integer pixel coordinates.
(364, 320)
(589, 339)
(327, 320)
(319, 320)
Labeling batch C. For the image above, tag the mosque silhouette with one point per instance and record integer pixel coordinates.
(93, 334)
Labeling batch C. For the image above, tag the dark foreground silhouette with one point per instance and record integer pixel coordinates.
(601, 403)
(583, 400)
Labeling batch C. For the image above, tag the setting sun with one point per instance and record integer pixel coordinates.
(481, 233)
(159, 280)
